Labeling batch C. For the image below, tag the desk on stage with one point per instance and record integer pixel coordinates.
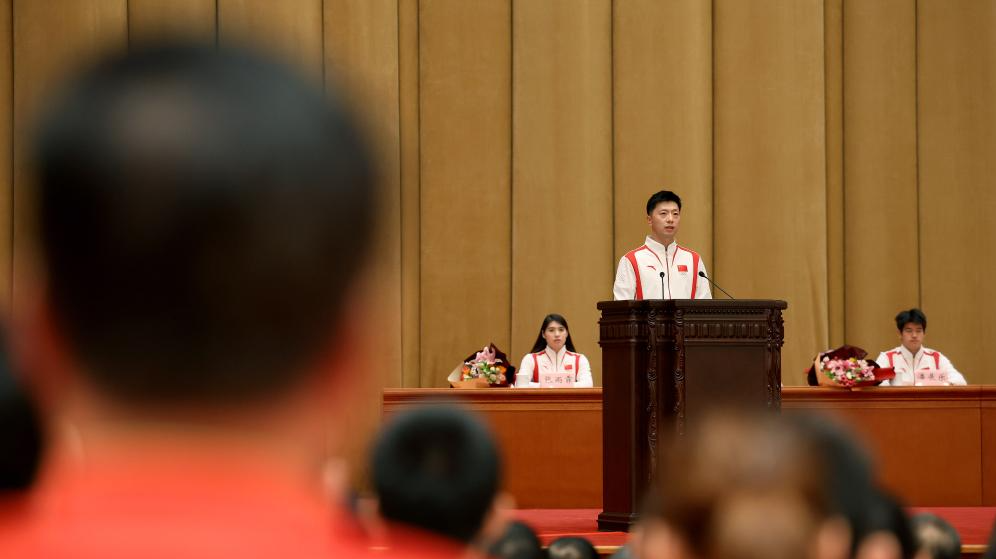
(936, 447)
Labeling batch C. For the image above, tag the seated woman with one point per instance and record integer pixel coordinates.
(554, 352)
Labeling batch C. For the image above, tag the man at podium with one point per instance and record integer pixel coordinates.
(661, 269)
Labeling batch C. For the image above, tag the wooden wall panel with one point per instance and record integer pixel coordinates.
(290, 28)
(361, 61)
(561, 169)
(408, 129)
(880, 173)
(833, 61)
(152, 19)
(85, 29)
(835, 153)
(361, 64)
(957, 116)
(6, 154)
(662, 103)
(770, 164)
(465, 140)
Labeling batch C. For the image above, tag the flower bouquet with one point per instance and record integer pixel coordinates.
(846, 367)
(486, 368)
(847, 372)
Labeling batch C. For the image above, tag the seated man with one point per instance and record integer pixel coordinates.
(911, 356)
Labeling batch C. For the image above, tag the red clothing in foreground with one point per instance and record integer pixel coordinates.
(168, 507)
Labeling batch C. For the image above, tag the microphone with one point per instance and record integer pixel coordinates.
(702, 275)
(662, 285)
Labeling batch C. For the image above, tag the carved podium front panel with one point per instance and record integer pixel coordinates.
(664, 363)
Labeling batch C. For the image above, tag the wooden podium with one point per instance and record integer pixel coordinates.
(665, 362)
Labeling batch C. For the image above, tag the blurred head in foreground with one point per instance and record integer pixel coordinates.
(202, 217)
(741, 487)
(935, 537)
(991, 546)
(437, 468)
(519, 541)
(571, 548)
(887, 533)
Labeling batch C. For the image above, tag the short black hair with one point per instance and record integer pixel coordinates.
(571, 547)
(914, 315)
(518, 542)
(886, 514)
(936, 536)
(437, 468)
(202, 216)
(662, 196)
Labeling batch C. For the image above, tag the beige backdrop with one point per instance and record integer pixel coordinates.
(833, 153)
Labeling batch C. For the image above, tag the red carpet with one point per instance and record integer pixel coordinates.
(973, 523)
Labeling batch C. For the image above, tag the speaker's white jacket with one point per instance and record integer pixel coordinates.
(638, 275)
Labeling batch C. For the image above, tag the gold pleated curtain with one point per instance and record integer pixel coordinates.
(832, 153)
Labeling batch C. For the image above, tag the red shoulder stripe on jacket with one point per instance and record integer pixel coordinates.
(631, 256)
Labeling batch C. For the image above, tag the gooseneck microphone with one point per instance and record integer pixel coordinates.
(702, 275)
(662, 285)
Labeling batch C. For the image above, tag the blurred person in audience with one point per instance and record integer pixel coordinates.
(740, 486)
(848, 473)
(519, 541)
(625, 551)
(991, 546)
(876, 524)
(203, 217)
(935, 537)
(886, 533)
(554, 352)
(571, 548)
(911, 356)
(436, 472)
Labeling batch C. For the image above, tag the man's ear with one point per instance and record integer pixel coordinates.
(343, 395)
(40, 352)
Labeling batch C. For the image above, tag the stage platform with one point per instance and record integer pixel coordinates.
(973, 523)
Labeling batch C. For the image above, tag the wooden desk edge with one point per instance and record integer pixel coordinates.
(494, 396)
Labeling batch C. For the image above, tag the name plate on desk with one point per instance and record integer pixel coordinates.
(557, 380)
(930, 377)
